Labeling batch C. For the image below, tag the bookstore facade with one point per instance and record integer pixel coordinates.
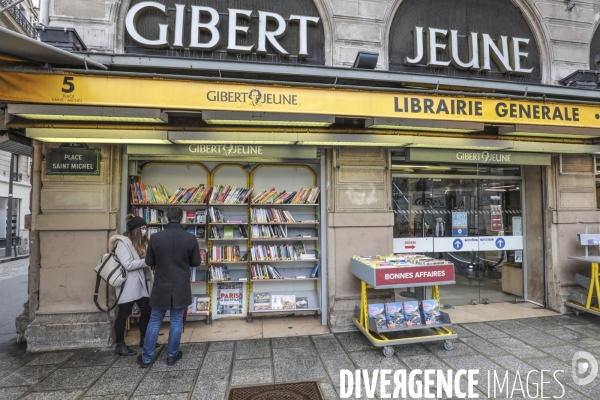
(286, 167)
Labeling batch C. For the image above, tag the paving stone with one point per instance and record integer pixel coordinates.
(409, 350)
(299, 370)
(57, 357)
(572, 394)
(107, 397)
(131, 361)
(10, 363)
(211, 387)
(195, 350)
(565, 353)
(514, 364)
(216, 362)
(57, 395)
(483, 346)
(374, 359)
(460, 349)
(426, 361)
(479, 362)
(247, 349)
(292, 341)
(171, 396)
(186, 362)
(252, 372)
(330, 349)
(568, 320)
(27, 375)
(294, 353)
(575, 338)
(509, 326)
(70, 378)
(590, 330)
(591, 389)
(166, 382)
(540, 323)
(354, 341)
(333, 368)
(518, 348)
(12, 393)
(552, 364)
(221, 346)
(485, 331)
(327, 391)
(91, 358)
(461, 331)
(117, 380)
(537, 338)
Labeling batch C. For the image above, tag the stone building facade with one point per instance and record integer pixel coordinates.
(70, 214)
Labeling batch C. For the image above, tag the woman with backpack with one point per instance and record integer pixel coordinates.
(130, 249)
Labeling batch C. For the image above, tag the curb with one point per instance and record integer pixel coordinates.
(15, 258)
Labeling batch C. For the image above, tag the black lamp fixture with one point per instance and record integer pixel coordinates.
(366, 60)
(582, 79)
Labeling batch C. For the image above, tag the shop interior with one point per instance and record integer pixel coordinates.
(428, 197)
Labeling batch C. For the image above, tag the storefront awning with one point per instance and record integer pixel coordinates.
(15, 48)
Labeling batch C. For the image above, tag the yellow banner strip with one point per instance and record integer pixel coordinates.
(119, 91)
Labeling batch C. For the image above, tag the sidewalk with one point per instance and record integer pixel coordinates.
(210, 370)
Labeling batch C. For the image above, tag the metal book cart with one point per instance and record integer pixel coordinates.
(402, 277)
(578, 300)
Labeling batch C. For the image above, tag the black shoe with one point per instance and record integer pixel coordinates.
(124, 350)
(173, 361)
(141, 362)
(142, 343)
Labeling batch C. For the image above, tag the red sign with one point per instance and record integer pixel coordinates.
(414, 275)
(496, 222)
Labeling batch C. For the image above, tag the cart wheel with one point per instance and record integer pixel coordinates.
(576, 311)
(388, 351)
(249, 318)
(448, 344)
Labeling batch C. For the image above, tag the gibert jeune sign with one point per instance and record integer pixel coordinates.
(206, 20)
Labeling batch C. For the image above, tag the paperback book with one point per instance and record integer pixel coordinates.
(262, 301)
(394, 315)
(301, 302)
(431, 312)
(377, 312)
(289, 302)
(277, 302)
(202, 303)
(412, 314)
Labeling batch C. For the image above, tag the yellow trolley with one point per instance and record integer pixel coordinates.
(593, 285)
(391, 278)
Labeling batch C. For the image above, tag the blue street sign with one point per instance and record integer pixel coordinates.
(459, 232)
(457, 244)
(500, 243)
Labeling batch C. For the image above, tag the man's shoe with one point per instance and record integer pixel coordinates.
(173, 361)
(141, 362)
(142, 339)
(123, 350)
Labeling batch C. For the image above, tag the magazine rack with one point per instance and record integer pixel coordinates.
(402, 277)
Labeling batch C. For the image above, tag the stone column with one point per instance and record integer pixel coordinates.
(74, 220)
(359, 222)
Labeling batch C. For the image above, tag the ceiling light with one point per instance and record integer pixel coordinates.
(84, 113)
(366, 60)
(424, 125)
(233, 142)
(549, 131)
(101, 140)
(266, 118)
(211, 137)
(340, 139)
(132, 136)
(401, 166)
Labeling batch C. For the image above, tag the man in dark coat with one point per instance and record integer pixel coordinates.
(172, 252)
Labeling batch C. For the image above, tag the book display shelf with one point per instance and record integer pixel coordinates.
(259, 244)
(384, 324)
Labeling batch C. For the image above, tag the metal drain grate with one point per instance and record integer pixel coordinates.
(284, 391)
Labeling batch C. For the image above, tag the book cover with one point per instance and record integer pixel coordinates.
(190, 217)
(300, 249)
(394, 315)
(192, 307)
(200, 232)
(301, 302)
(289, 302)
(377, 312)
(200, 216)
(228, 232)
(192, 230)
(431, 312)
(202, 303)
(262, 301)
(412, 314)
(313, 273)
(277, 302)
(193, 274)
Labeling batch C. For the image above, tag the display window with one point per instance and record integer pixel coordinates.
(469, 215)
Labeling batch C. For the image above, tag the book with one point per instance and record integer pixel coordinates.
(193, 274)
(313, 273)
(228, 232)
(394, 314)
(412, 314)
(289, 302)
(377, 312)
(200, 216)
(300, 249)
(190, 217)
(261, 301)
(276, 302)
(192, 230)
(202, 303)
(203, 256)
(431, 312)
(192, 307)
(301, 302)
(200, 232)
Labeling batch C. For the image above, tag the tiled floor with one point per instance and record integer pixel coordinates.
(209, 369)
